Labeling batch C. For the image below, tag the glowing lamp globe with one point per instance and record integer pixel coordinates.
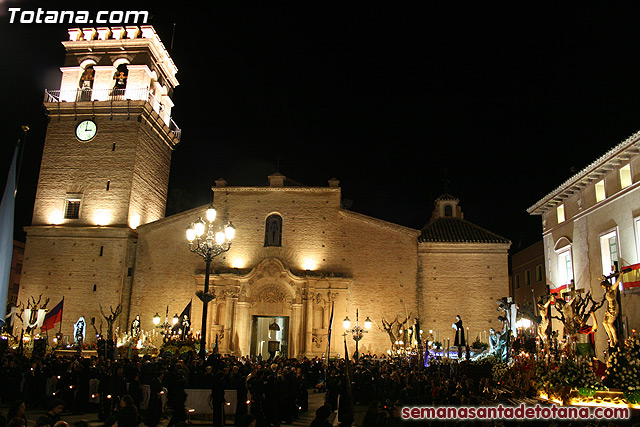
(367, 323)
(229, 231)
(191, 233)
(211, 214)
(198, 226)
(346, 323)
(156, 319)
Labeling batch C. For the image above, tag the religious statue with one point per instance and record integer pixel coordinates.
(567, 313)
(611, 295)
(78, 330)
(111, 319)
(543, 310)
(459, 341)
(185, 326)
(493, 341)
(135, 327)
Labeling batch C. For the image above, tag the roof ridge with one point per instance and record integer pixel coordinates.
(444, 230)
(587, 169)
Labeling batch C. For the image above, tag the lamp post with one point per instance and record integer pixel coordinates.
(357, 332)
(205, 241)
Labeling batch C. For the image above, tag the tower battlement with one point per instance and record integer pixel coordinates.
(94, 42)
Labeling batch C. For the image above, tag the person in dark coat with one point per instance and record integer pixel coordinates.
(178, 400)
(322, 415)
(17, 410)
(237, 382)
(155, 400)
(374, 417)
(128, 414)
(217, 399)
(55, 408)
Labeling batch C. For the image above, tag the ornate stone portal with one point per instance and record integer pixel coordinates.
(271, 289)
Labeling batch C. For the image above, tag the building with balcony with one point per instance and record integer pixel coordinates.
(591, 222)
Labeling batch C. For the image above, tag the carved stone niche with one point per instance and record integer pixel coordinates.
(271, 293)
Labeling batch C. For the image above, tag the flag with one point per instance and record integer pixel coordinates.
(6, 233)
(53, 316)
(186, 312)
(329, 334)
(631, 276)
(558, 289)
(345, 407)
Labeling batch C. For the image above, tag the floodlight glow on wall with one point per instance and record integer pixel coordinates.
(102, 217)
(56, 217)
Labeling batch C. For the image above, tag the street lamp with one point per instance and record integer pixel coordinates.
(357, 332)
(208, 242)
(163, 325)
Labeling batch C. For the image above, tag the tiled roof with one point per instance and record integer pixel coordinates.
(456, 230)
(447, 196)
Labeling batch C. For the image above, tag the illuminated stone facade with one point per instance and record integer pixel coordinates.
(296, 253)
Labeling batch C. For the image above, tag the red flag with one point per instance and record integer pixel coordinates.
(52, 317)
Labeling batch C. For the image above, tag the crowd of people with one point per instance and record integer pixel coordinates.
(267, 393)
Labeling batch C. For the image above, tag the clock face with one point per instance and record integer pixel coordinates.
(86, 130)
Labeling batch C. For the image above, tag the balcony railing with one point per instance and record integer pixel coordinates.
(137, 94)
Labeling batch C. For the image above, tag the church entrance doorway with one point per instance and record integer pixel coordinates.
(269, 336)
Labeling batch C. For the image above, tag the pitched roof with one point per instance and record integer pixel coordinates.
(457, 230)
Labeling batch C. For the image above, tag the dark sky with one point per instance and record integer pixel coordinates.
(510, 101)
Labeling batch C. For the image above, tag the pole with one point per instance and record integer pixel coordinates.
(357, 338)
(203, 330)
(61, 314)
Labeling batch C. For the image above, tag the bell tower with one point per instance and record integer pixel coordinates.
(104, 170)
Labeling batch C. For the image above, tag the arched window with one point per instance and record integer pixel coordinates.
(273, 230)
(448, 210)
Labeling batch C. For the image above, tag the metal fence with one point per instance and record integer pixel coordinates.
(115, 94)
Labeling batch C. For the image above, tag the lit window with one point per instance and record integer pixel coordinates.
(72, 206)
(600, 193)
(609, 252)
(560, 211)
(565, 269)
(625, 176)
(539, 273)
(527, 277)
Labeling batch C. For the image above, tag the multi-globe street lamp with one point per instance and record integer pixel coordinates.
(208, 241)
(357, 331)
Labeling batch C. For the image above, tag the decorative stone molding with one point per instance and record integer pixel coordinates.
(271, 293)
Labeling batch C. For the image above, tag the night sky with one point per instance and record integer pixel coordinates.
(506, 102)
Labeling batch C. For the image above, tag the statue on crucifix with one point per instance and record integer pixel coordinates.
(111, 319)
(611, 296)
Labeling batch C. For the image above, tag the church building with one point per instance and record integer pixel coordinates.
(100, 238)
